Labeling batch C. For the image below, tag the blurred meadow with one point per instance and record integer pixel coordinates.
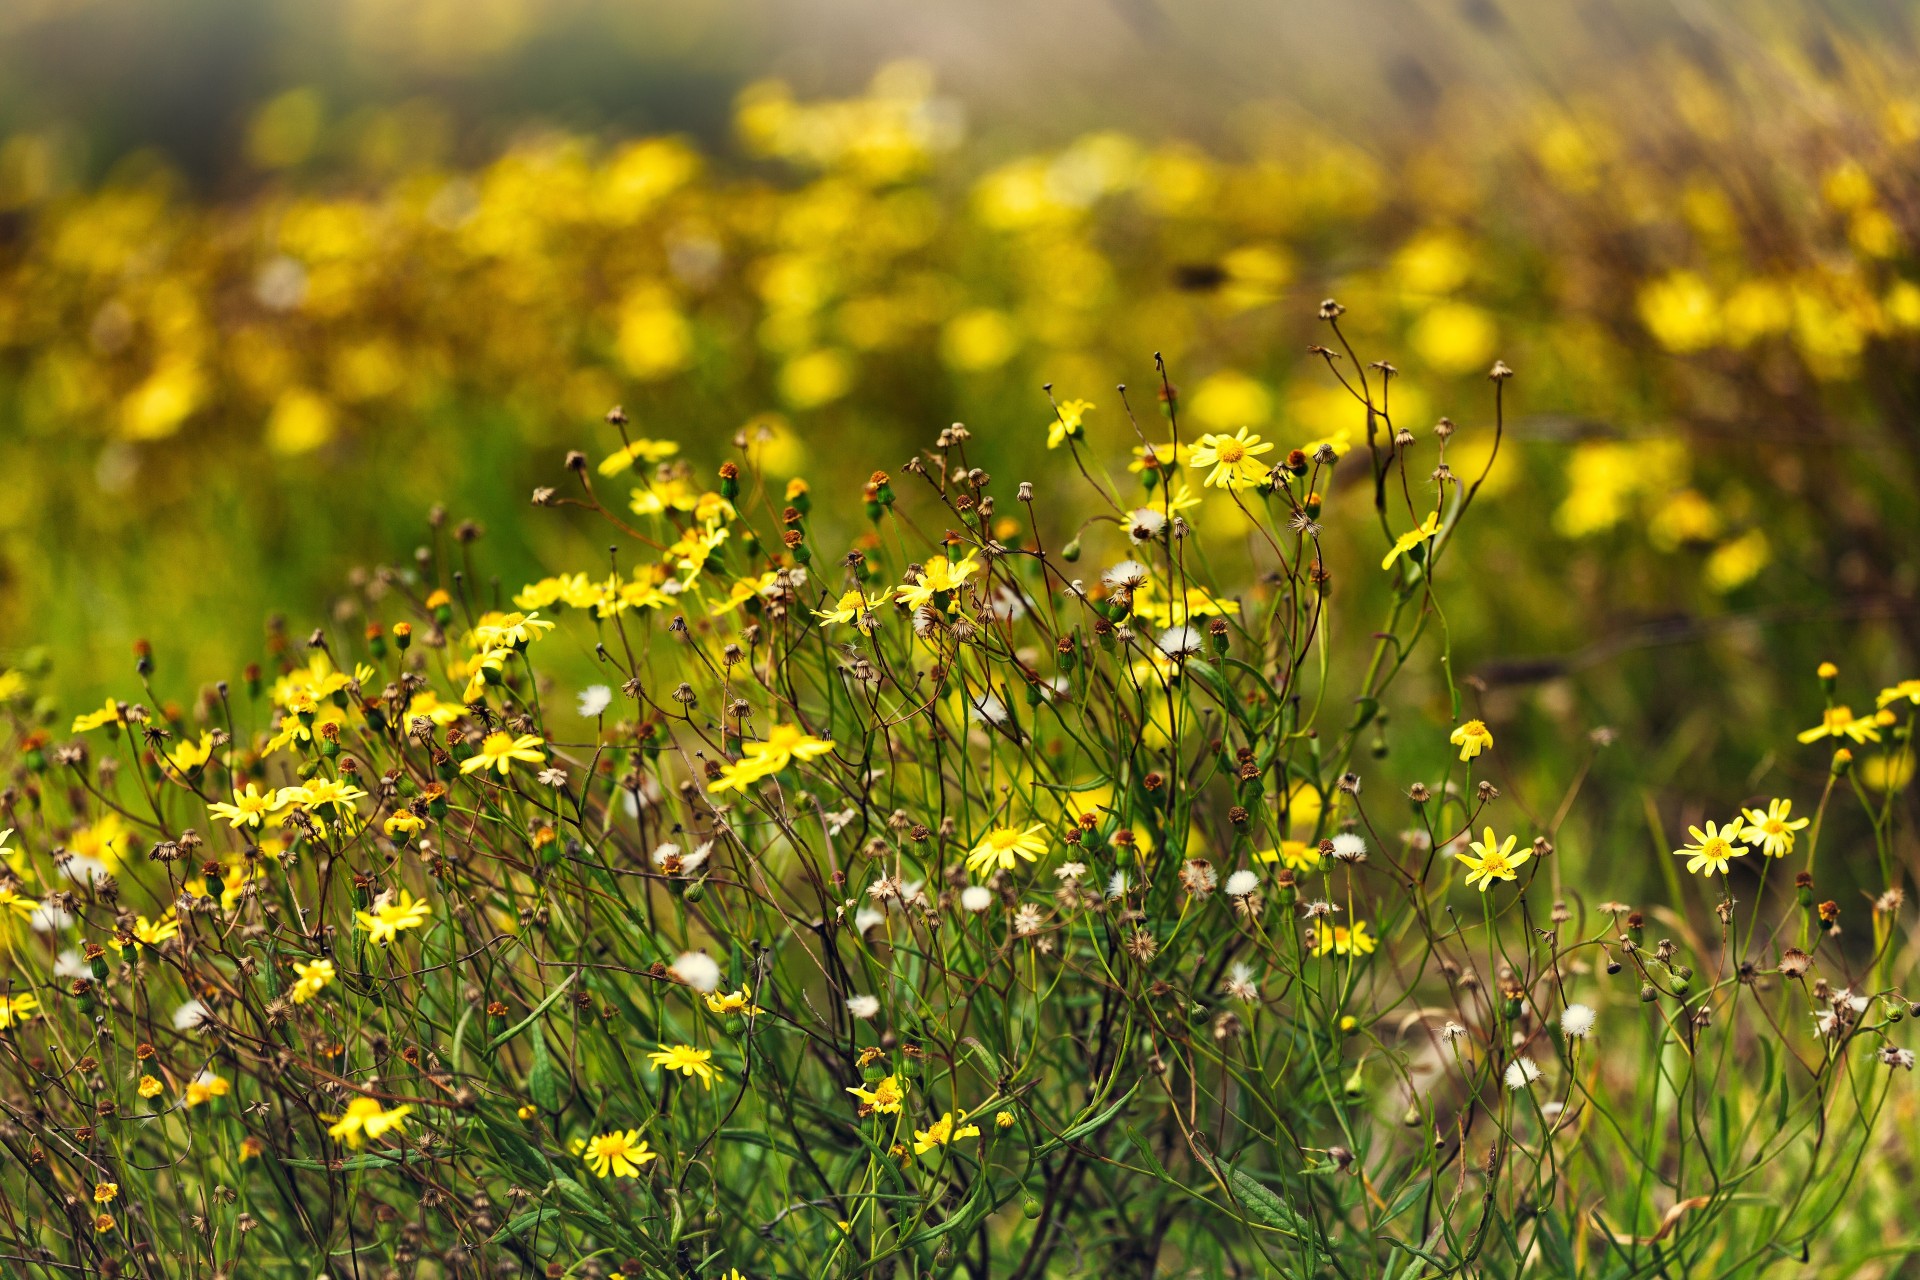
(290, 289)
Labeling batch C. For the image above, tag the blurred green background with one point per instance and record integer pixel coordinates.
(278, 276)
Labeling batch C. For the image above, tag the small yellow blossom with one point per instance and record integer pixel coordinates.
(940, 1133)
(205, 1087)
(15, 1010)
(149, 1087)
(1001, 846)
(1839, 722)
(249, 808)
(109, 714)
(618, 1154)
(403, 824)
(1067, 423)
(730, 1002)
(1412, 538)
(1234, 459)
(783, 744)
(311, 979)
(1491, 860)
(687, 1060)
(365, 1118)
(16, 902)
(1713, 848)
(1297, 855)
(647, 451)
(500, 750)
(1342, 941)
(1772, 828)
(391, 914)
(884, 1098)
(1909, 690)
(938, 575)
(189, 756)
(104, 1192)
(855, 608)
(1472, 738)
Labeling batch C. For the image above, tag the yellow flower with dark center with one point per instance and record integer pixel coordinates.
(391, 914)
(1840, 722)
(1772, 829)
(884, 1098)
(687, 1060)
(249, 808)
(104, 1192)
(311, 979)
(500, 750)
(1067, 423)
(1412, 538)
(365, 1118)
(618, 1154)
(940, 1133)
(1491, 860)
(403, 824)
(1001, 846)
(1713, 848)
(1472, 738)
(1234, 459)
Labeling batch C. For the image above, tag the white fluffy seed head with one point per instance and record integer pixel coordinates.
(697, 969)
(863, 1007)
(976, 897)
(1521, 1072)
(1576, 1020)
(1242, 883)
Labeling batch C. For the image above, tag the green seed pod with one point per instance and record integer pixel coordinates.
(1071, 552)
(1030, 1207)
(1648, 994)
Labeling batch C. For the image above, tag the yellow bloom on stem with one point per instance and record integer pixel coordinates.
(1157, 456)
(1908, 689)
(687, 1060)
(1412, 538)
(391, 914)
(109, 714)
(102, 1223)
(149, 933)
(500, 750)
(884, 1098)
(189, 756)
(494, 660)
(618, 1154)
(1234, 459)
(1839, 722)
(940, 1133)
(1492, 860)
(104, 1192)
(311, 979)
(1002, 845)
(648, 451)
(783, 744)
(939, 574)
(149, 1087)
(366, 1118)
(321, 793)
(1713, 848)
(743, 590)
(1297, 855)
(17, 903)
(403, 824)
(729, 1002)
(1472, 738)
(507, 630)
(249, 808)
(15, 1010)
(205, 1087)
(1772, 829)
(1066, 424)
(855, 608)
(1343, 941)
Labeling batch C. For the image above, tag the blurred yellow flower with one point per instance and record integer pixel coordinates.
(1001, 847)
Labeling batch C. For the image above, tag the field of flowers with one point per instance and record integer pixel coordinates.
(863, 702)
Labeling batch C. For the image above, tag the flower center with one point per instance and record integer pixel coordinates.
(1231, 451)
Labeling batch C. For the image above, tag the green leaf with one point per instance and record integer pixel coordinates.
(543, 1081)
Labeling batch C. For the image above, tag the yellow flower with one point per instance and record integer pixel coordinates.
(1298, 855)
(618, 1154)
(1472, 738)
(149, 1087)
(403, 824)
(149, 932)
(321, 793)
(1234, 459)
(1066, 424)
(1412, 538)
(390, 915)
(884, 1098)
(940, 1133)
(507, 630)
(19, 904)
(500, 750)
(783, 744)
(1004, 1120)
(727, 1002)
(205, 1087)
(648, 451)
(493, 660)
(1713, 848)
(366, 1118)
(1343, 941)
(855, 608)
(249, 807)
(1494, 860)
(102, 1223)
(687, 1060)
(15, 1010)
(1772, 829)
(1000, 846)
(1162, 455)
(1908, 689)
(104, 1192)
(569, 589)
(311, 979)
(12, 685)
(109, 714)
(743, 590)
(189, 756)
(1839, 722)
(939, 574)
